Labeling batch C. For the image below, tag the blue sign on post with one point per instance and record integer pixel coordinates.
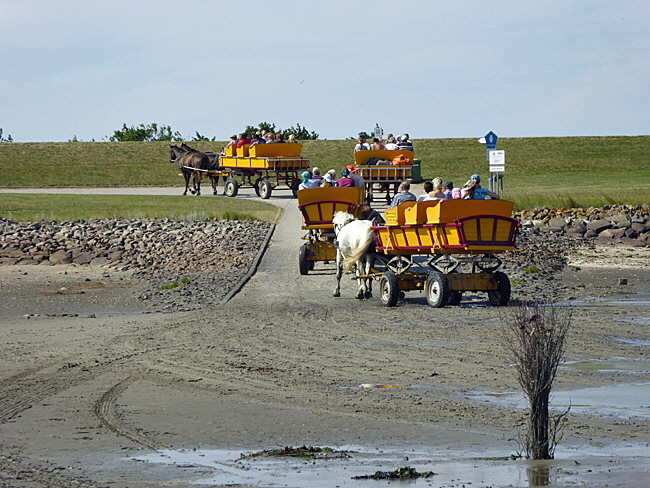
(491, 140)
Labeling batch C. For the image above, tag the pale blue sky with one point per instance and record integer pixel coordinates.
(430, 68)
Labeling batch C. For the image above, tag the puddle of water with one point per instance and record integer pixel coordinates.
(454, 469)
(634, 342)
(605, 302)
(612, 365)
(411, 344)
(620, 401)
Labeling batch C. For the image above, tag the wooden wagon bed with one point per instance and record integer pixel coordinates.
(448, 226)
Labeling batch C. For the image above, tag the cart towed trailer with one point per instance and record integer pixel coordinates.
(459, 241)
(264, 166)
(318, 206)
(383, 176)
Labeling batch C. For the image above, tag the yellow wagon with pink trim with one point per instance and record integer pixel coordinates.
(455, 234)
(318, 206)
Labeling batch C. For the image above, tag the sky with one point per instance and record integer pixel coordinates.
(433, 69)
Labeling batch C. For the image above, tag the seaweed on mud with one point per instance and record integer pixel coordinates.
(404, 473)
(303, 452)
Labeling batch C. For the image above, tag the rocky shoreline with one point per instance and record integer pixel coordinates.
(212, 257)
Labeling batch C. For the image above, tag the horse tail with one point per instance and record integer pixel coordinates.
(360, 251)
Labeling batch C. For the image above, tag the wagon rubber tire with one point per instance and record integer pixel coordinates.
(231, 187)
(265, 189)
(437, 289)
(256, 186)
(302, 260)
(389, 289)
(500, 297)
(455, 297)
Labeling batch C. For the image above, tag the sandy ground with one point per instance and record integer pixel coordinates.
(89, 380)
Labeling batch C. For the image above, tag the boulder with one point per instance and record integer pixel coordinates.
(61, 257)
(82, 257)
(598, 225)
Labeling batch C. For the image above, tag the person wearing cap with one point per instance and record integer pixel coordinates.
(233, 141)
(345, 179)
(474, 191)
(308, 181)
(327, 181)
(359, 182)
(404, 143)
(404, 195)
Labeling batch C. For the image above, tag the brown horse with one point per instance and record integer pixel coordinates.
(190, 164)
(214, 162)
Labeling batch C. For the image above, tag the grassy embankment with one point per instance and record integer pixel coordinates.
(560, 172)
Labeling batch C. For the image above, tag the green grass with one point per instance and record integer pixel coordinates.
(175, 284)
(37, 207)
(540, 171)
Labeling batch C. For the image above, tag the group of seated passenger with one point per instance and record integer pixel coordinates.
(349, 178)
(436, 190)
(392, 143)
(259, 138)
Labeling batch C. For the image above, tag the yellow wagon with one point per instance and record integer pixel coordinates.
(318, 206)
(382, 176)
(454, 233)
(265, 166)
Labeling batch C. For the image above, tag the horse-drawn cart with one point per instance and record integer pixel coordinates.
(318, 206)
(264, 166)
(383, 176)
(455, 234)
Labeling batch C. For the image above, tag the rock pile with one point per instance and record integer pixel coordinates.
(151, 244)
(612, 224)
(207, 258)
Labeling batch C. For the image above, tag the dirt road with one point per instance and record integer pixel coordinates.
(92, 382)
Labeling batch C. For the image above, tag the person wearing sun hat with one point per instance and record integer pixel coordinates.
(474, 191)
(307, 182)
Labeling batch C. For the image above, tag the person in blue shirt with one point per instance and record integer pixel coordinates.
(474, 191)
(404, 195)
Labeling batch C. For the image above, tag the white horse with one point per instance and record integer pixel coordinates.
(353, 239)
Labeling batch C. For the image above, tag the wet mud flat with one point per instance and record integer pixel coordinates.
(148, 399)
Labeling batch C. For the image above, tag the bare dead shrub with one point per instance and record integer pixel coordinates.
(535, 335)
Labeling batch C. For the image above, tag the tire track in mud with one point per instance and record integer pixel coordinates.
(23, 390)
(106, 411)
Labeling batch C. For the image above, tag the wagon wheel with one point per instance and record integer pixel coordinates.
(230, 187)
(437, 289)
(295, 184)
(302, 260)
(501, 296)
(265, 189)
(455, 297)
(389, 289)
(256, 186)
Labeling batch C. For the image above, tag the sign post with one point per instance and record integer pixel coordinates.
(497, 161)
